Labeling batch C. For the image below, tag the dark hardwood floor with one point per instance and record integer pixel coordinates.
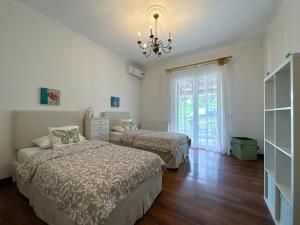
(209, 190)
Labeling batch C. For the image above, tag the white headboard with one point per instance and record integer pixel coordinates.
(30, 124)
(114, 117)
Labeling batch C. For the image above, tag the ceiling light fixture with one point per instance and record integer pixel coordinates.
(154, 44)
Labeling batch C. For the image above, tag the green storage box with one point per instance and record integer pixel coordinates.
(244, 148)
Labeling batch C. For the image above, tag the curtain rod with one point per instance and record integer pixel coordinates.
(198, 64)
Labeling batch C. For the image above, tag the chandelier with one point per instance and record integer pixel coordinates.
(154, 44)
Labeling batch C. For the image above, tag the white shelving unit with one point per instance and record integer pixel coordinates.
(282, 142)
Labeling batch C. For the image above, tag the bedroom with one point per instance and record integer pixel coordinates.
(83, 49)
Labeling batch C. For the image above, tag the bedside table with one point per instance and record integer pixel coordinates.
(96, 128)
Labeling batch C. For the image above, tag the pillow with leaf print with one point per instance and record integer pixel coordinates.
(64, 135)
(128, 124)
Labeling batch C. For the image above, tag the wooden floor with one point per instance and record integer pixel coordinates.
(210, 190)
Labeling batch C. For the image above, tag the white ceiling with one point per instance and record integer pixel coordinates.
(195, 24)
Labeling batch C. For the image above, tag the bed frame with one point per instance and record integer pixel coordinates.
(115, 117)
(172, 162)
(28, 125)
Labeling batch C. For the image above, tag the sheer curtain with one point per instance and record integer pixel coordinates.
(199, 106)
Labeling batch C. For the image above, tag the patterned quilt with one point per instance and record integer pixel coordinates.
(88, 180)
(157, 140)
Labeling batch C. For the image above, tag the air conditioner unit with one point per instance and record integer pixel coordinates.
(134, 71)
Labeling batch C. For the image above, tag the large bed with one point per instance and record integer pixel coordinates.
(173, 148)
(86, 183)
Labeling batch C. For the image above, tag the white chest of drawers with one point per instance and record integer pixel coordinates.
(96, 128)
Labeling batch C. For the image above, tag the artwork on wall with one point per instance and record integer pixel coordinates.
(115, 101)
(50, 96)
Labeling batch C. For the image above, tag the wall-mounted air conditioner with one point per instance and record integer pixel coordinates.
(134, 71)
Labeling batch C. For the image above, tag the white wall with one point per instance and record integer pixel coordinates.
(246, 91)
(36, 52)
(283, 35)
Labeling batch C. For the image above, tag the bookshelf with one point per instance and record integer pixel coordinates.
(281, 144)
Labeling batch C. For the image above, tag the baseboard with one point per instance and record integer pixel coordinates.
(6, 180)
(260, 156)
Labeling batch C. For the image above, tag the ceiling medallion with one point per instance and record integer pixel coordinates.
(156, 9)
(154, 44)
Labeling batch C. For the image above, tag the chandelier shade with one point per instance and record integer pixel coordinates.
(154, 44)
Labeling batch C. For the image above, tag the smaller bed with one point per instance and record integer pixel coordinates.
(173, 148)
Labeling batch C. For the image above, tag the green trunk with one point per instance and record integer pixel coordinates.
(244, 148)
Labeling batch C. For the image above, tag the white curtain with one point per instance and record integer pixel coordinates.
(223, 113)
(199, 106)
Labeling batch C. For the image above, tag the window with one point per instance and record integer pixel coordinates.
(196, 106)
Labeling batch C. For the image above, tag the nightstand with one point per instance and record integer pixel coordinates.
(96, 128)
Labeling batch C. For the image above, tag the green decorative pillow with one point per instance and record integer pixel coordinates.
(64, 135)
(128, 124)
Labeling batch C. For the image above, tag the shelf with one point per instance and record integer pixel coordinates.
(272, 194)
(270, 158)
(278, 109)
(270, 142)
(270, 94)
(283, 173)
(285, 211)
(283, 64)
(285, 190)
(271, 173)
(284, 150)
(271, 211)
(269, 126)
(283, 131)
(283, 87)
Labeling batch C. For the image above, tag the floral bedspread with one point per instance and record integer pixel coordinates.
(157, 140)
(88, 180)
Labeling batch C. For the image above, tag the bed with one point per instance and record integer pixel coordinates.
(78, 184)
(173, 148)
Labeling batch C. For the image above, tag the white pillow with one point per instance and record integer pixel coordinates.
(118, 128)
(128, 124)
(43, 142)
(64, 135)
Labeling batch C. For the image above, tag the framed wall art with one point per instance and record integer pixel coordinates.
(50, 96)
(115, 102)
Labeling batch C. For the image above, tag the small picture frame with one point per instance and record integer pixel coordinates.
(115, 102)
(50, 96)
